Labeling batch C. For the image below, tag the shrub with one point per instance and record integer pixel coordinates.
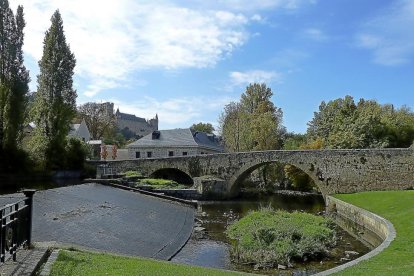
(160, 183)
(76, 152)
(269, 237)
(132, 174)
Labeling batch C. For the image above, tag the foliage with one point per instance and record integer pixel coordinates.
(272, 175)
(203, 127)
(76, 152)
(343, 124)
(398, 208)
(99, 122)
(160, 183)
(132, 174)
(300, 180)
(14, 77)
(254, 123)
(269, 237)
(294, 141)
(16, 161)
(116, 137)
(70, 263)
(54, 106)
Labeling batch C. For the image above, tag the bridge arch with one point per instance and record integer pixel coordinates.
(236, 180)
(174, 174)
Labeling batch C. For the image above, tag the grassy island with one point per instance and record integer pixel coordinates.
(267, 237)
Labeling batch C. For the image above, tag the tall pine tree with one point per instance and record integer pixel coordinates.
(55, 103)
(14, 77)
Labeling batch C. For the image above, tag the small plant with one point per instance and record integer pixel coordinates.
(267, 237)
(160, 183)
(132, 174)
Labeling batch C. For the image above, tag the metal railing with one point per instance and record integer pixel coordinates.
(16, 226)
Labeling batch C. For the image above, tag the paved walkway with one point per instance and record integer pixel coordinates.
(110, 219)
(27, 261)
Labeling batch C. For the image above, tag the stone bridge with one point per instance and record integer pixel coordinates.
(334, 171)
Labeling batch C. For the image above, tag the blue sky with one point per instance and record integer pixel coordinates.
(186, 59)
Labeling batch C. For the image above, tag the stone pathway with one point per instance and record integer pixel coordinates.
(27, 262)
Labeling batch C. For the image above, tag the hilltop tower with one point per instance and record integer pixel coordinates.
(154, 122)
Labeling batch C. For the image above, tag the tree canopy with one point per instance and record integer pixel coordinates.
(55, 102)
(342, 123)
(203, 127)
(253, 123)
(14, 77)
(99, 122)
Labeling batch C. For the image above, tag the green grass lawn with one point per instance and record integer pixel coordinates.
(398, 208)
(87, 263)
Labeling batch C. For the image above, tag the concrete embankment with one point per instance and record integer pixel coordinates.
(371, 229)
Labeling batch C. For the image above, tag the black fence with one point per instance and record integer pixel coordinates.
(16, 226)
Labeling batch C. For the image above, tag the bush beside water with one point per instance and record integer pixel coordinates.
(159, 184)
(141, 181)
(132, 174)
(267, 237)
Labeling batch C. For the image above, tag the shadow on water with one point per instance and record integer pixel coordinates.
(210, 247)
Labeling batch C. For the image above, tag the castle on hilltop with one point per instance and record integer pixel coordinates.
(137, 125)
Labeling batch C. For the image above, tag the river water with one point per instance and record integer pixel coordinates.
(210, 247)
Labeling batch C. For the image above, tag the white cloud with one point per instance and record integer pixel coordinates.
(111, 39)
(257, 5)
(256, 17)
(173, 112)
(252, 76)
(389, 35)
(315, 34)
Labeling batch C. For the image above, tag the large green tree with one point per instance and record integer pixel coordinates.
(342, 123)
(55, 102)
(14, 77)
(254, 123)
